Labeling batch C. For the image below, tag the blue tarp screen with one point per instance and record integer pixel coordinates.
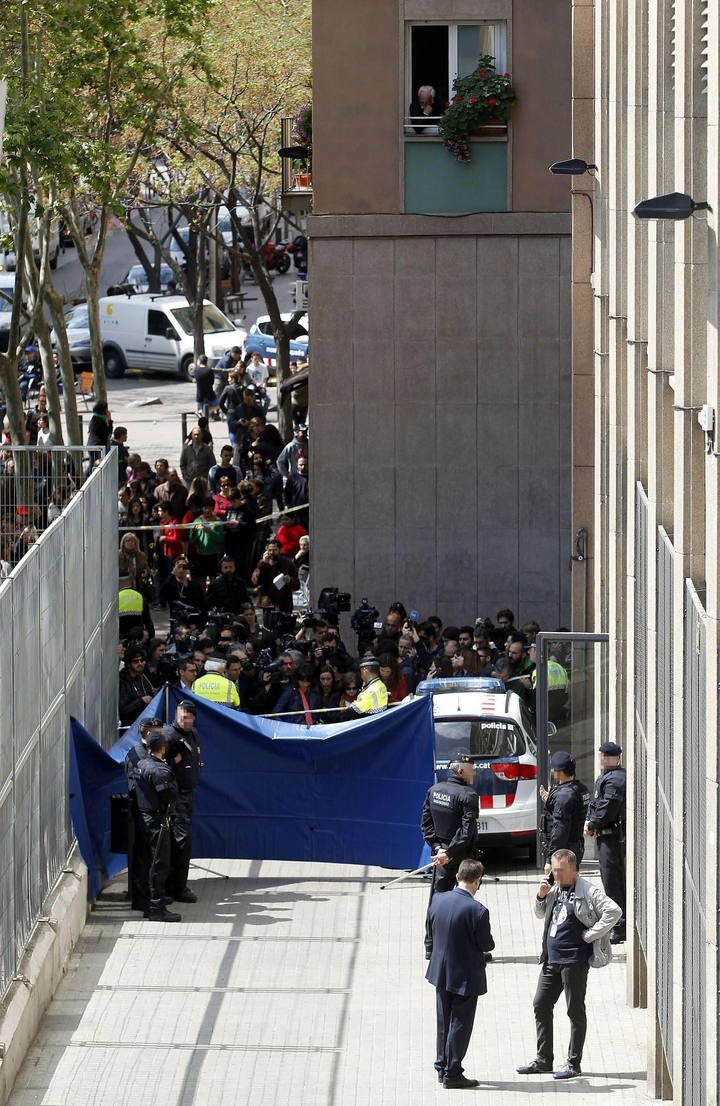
(349, 793)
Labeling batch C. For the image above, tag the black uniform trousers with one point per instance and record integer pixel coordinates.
(554, 979)
(611, 856)
(156, 834)
(180, 844)
(138, 858)
(444, 879)
(455, 1018)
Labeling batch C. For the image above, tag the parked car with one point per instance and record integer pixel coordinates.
(7, 257)
(477, 717)
(260, 339)
(137, 279)
(149, 331)
(7, 296)
(78, 332)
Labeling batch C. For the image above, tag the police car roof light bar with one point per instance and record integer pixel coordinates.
(486, 684)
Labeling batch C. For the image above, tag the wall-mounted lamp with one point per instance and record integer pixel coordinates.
(573, 167)
(676, 205)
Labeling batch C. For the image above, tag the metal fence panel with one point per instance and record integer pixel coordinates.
(51, 564)
(92, 555)
(109, 535)
(665, 875)
(6, 682)
(55, 839)
(640, 745)
(7, 888)
(55, 653)
(26, 645)
(28, 895)
(694, 839)
(73, 523)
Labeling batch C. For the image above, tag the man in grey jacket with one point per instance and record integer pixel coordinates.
(579, 918)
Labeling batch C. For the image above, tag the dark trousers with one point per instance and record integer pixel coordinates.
(611, 856)
(572, 979)
(455, 1018)
(156, 833)
(443, 880)
(180, 844)
(138, 859)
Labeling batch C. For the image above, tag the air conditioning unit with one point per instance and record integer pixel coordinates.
(302, 294)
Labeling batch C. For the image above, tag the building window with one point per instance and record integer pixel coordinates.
(438, 53)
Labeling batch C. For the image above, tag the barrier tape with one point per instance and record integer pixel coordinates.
(157, 528)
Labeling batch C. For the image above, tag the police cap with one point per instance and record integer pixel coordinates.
(562, 762)
(188, 705)
(610, 749)
(155, 740)
(369, 662)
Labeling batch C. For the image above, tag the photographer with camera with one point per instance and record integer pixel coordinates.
(276, 579)
(181, 589)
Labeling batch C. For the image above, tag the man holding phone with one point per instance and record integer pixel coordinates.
(579, 918)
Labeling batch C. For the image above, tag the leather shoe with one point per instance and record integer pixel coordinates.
(186, 896)
(535, 1067)
(568, 1072)
(460, 1083)
(163, 915)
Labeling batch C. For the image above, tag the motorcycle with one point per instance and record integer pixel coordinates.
(276, 255)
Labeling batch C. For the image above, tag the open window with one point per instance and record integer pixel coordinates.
(439, 53)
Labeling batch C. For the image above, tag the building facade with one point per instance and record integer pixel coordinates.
(646, 101)
(440, 313)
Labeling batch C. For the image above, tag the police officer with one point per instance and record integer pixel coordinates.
(373, 697)
(566, 807)
(606, 822)
(449, 826)
(183, 756)
(215, 686)
(156, 791)
(138, 857)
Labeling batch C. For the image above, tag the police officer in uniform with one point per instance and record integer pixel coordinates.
(183, 756)
(566, 807)
(156, 791)
(138, 858)
(449, 826)
(215, 686)
(606, 822)
(373, 697)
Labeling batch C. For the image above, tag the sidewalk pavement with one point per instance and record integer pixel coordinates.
(305, 984)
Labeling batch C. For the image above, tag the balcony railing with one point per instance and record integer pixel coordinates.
(296, 175)
(426, 126)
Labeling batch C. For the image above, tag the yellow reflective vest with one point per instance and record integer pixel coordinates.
(557, 677)
(216, 688)
(130, 602)
(372, 699)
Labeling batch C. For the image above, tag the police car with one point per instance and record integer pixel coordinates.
(478, 717)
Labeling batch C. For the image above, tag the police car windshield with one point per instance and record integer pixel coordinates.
(478, 737)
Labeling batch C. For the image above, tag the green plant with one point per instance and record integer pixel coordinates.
(482, 97)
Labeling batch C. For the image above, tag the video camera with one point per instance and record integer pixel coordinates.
(331, 602)
(279, 622)
(363, 622)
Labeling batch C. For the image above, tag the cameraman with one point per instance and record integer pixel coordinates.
(181, 588)
(227, 592)
(274, 678)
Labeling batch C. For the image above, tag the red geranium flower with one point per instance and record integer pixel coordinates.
(506, 75)
(492, 103)
(481, 73)
(456, 99)
(472, 100)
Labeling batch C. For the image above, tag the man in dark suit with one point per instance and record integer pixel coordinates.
(461, 935)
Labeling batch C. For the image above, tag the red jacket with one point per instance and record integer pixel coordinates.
(289, 538)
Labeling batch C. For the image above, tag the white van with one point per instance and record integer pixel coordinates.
(153, 331)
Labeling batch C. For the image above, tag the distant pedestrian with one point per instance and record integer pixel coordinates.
(461, 935)
(578, 920)
(606, 822)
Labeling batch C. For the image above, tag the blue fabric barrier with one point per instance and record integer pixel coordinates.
(349, 793)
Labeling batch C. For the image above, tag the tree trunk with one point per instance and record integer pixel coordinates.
(10, 386)
(72, 420)
(42, 333)
(98, 362)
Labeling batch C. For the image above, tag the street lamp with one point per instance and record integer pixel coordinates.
(294, 153)
(676, 205)
(573, 167)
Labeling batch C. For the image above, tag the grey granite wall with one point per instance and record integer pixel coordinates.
(440, 422)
